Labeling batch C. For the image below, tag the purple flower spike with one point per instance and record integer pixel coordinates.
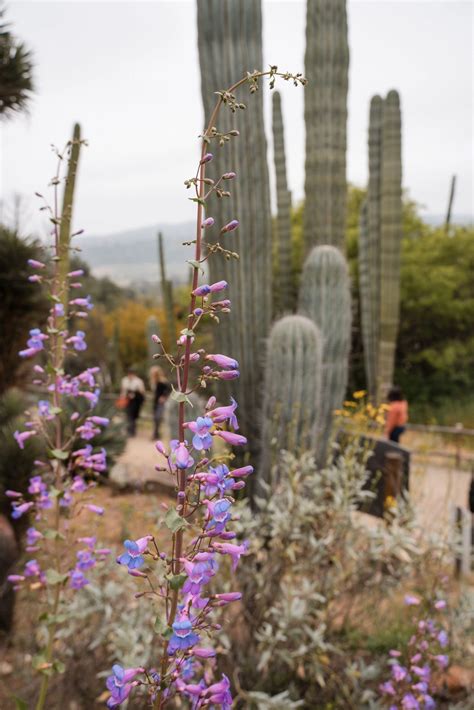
(230, 226)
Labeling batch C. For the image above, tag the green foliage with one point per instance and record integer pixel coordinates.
(317, 576)
(435, 354)
(16, 72)
(22, 304)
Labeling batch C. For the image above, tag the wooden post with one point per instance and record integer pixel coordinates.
(459, 427)
(393, 467)
(462, 534)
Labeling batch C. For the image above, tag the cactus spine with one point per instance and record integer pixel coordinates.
(326, 66)
(74, 147)
(225, 55)
(166, 293)
(325, 298)
(283, 222)
(379, 244)
(292, 391)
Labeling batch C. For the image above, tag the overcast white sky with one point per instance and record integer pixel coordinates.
(128, 72)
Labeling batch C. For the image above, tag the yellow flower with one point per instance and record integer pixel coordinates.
(359, 394)
(389, 502)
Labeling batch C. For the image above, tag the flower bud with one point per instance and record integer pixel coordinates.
(198, 312)
(230, 226)
(228, 176)
(208, 222)
(218, 286)
(206, 159)
(227, 374)
(156, 339)
(202, 290)
(36, 264)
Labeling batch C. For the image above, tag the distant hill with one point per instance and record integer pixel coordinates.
(132, 255)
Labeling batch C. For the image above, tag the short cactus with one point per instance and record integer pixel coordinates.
(292, 391)
(325, 298)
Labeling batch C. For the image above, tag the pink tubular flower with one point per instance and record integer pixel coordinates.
(208, 222)
(36, 264)
(227, 363)
(94, 508)
(411, 600)
(76, 273)
(230, 226)
(235, 551)
(204, 652)
(241, 472)
(218, 286)
(229, 596)
(231, 438)
(207, 158)
(227, 374)
(21, 437)
(202, 290)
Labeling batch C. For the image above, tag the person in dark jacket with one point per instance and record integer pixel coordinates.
(161, 389)
(133, 388)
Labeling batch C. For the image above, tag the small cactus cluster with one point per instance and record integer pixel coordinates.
(380, 244)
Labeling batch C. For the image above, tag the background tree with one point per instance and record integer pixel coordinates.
(20, 306)
(16, 71)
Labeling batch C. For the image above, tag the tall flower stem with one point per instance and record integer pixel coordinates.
(178, 537)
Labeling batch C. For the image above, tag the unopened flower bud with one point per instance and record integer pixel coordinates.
(208, 222)
(234, 132)
(228, 176)
(218, 286)
(207, 158)
(156, 339)
(202, 290)
(36, 264)
(230, 226)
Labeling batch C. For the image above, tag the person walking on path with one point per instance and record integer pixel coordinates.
(161, 389)
(397, 415)
(133, 389)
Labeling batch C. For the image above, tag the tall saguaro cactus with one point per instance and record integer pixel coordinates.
(325, 298)
(283, 222)
(380, 244)
(66, 216)
(326, 66)
(230, 44)
(166, 292)
(292, 390)
(390, 240)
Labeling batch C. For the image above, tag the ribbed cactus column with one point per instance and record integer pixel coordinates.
(380, 244)
(292, 391)
(325, 298)
(66, 218)
(166, 293)
(230, 44)
(390, 241)
(326, 67)
(286, 295)
(366, 299)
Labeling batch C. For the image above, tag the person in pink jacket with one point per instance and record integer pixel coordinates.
(397, 414)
